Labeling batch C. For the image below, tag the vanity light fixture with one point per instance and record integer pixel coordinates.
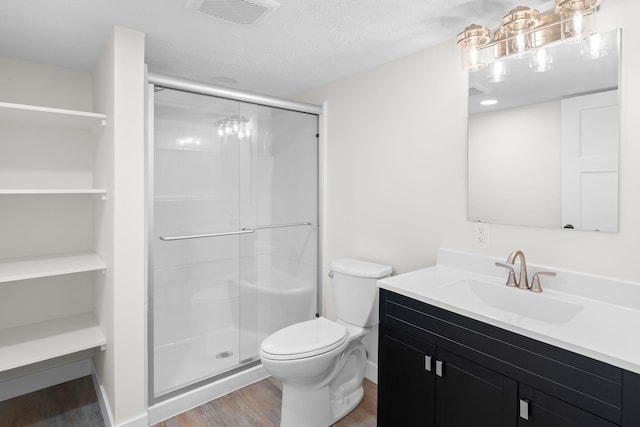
(524, 29)
(238, 126)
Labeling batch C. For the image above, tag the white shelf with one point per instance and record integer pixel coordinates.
(46, 116)
(35, 267)
(34, 343)
(44, 191)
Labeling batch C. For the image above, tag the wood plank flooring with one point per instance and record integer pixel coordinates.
(74, 404)
(259, 405)
(70, 404)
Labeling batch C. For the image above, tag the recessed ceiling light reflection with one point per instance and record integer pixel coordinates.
(488, 102)
(188, 141)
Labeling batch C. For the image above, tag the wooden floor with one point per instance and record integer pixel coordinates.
(259, 405)
(74, 404)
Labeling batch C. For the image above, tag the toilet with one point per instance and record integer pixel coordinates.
(321, 363)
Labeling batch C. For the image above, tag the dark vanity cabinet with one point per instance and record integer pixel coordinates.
(438, 368)
(412, 372)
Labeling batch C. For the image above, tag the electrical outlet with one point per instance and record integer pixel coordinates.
(481, 235)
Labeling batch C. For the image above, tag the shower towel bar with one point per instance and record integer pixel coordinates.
(262, 227)
(201, 236)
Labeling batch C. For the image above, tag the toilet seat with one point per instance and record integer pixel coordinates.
(305, 339)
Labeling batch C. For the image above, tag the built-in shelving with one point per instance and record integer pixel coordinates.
(36, 267)
(52, 191)
(34, 343)
(46, 116)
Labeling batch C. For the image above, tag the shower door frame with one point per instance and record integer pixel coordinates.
(159, 80)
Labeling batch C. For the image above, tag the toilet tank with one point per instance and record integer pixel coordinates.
(355, 293)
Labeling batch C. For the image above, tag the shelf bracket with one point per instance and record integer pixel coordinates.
(103, 347)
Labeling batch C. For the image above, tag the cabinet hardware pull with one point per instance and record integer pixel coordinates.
(439, 367)
(524, 409)
(427, 363)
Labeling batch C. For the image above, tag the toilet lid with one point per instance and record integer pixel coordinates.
(304, 339)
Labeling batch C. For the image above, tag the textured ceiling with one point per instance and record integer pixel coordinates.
(301, 45)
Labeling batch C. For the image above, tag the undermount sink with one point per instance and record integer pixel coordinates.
(501, 301)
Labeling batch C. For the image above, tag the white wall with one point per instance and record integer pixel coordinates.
(397, 167)
(119, 92)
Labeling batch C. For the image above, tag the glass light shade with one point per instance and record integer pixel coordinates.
(571, 7)
(519, 20)
(524, 29)
(474, 59)
(548, 30)
(578, 25)
(470, 40)
(502, 47)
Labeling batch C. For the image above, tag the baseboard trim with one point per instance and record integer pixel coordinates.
(371, 372)
(48, 376)
(191, 399)
(107, 414)
(103, 402)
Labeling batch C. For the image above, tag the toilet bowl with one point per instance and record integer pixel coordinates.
(321, 363)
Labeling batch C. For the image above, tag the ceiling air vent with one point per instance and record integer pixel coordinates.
(477, 89)
(240, 12)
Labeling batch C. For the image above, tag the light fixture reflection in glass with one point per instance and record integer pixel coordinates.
(497, 72)
(593, 47)
(541, 61)
(238, 126)
(488, 102)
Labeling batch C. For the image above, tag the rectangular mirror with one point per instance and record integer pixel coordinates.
(543, 131)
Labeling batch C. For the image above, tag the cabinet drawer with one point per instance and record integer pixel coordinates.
(547, 411)
(581, 381)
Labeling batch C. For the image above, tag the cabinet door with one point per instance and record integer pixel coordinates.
(406, 387)
(538, 409)
(470, 395)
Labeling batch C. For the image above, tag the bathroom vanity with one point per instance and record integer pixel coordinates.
(458, 348)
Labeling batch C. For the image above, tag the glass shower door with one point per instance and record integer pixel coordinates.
(234, 240)
(279, 261)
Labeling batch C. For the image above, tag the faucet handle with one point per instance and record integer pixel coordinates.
(535, 282)
(511, 280)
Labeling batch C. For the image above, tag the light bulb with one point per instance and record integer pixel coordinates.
(577, 26)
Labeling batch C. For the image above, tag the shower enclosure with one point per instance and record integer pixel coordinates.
(233, 231)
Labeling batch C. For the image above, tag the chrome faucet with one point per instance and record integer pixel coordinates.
(524, 281)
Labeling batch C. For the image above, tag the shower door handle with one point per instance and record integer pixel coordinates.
(202, 236)
(263, 227)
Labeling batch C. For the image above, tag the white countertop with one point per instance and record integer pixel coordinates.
(605, 330)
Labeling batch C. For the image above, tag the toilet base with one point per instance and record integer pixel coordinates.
(322, 404)
(306, 407)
